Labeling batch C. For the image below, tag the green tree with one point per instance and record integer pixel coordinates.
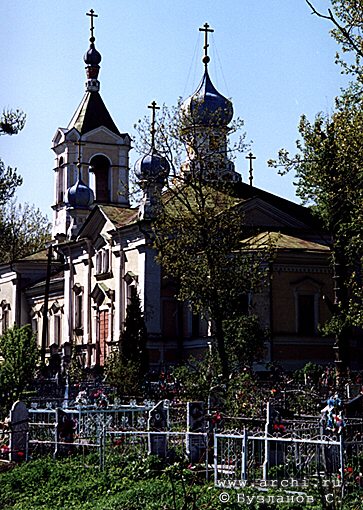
(123, 375)
(134, 336)
(19, 357)
(199, 227)
(346, 16)
(126, 367)
(23, 228)
(11, 122)
(25, 231)
(329, 173)
(9, 181)
(244, 341)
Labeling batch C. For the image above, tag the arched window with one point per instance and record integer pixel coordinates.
(5, 316)
(100, 166)
(60, 181)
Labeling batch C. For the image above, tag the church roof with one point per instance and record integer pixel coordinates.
(283, 242)
(245, 192)
(120, 216)
(91, 114)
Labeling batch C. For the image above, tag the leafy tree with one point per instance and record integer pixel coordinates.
(25, 231)
(19, 356)
(347, 18)
(11, 122)
(23, 228)
(122, 374)
(330, 177)
(329, 173)
(200, 378)
(9, 181)
(198, 228)
(244, 341)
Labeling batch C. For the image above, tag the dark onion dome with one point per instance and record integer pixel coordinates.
(207, 106)
(92, 57)
(79, 195)
(152, 168)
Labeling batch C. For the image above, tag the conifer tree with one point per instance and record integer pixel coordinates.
(134, 337)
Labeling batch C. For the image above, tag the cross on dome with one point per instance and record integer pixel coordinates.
(79, 163)
(206, 30)
(92, 14)
(153, 106)
(251, 157)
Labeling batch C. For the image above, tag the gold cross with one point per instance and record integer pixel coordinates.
(251, 157)
(153, 107)
(206, 29)
(93, 15)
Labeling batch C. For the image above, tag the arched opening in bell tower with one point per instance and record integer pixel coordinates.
(60, 186)
(100, 168)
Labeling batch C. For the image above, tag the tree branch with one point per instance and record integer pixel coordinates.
(342, 29)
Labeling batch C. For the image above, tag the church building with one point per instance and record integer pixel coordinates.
(75, 293)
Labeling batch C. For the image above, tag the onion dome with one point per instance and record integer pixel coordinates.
(79, 195)
(92, 57)
(152, 168)
(207, 106)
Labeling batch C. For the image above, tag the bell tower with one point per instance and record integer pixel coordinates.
(105, 150)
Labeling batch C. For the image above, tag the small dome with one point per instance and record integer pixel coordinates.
(79, 195)
(152, 168)
(207, 106)
(92, 57)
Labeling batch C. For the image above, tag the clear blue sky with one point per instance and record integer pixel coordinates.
(272, 57)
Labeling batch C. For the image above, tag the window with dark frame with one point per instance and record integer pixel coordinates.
(306, 318)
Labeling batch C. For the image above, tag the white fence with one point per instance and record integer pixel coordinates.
(260, 457)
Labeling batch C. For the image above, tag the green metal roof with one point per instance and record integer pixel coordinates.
(283, 242)
(120, 216)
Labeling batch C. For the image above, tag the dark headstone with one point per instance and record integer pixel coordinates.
(19, 427)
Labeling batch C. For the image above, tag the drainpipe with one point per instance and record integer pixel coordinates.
(46, 301)
(89, 305)
(271, 313)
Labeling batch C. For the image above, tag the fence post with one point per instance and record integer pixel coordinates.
(244, 455)
(56, 433)
(341, 458)
(206, 438)
(267, 444)
(101, 448)
(215, 456)
(27, 447)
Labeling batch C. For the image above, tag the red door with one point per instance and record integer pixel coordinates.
(103, 336)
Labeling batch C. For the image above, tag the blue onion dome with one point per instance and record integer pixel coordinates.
(92, 57)
(207, 106)
(152, 168)
(79, 195)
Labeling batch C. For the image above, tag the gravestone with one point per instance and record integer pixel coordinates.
(196, 422)
(157, 422)
(19, 427)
